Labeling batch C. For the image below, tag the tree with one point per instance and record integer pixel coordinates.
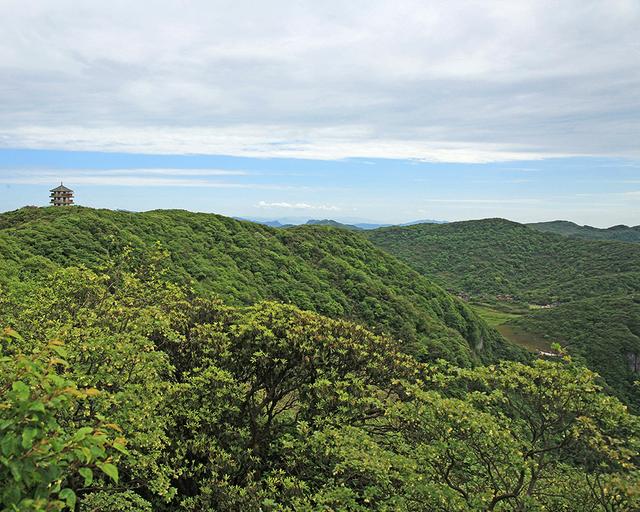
(42, 465)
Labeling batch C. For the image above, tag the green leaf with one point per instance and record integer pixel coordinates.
(9, 444)
(69, 497)
(58, 361)
(22, 390)
(119, 445)
(110, 470)
(8, 331)
(28, 436)
(57, 380)
(61, 351)
(37, 407)
(82, 433)
(15, 471)
(11, 496)
(87, 474)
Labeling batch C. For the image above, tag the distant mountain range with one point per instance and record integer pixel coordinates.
(564, 227)
(346, 223)
(334, 224)
(621, 232)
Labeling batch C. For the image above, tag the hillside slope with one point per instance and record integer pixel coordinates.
(538, 288)
(493, 257)
(562, 227)
(604, 332)
(330, 271)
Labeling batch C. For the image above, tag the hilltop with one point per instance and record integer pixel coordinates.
(332, 223)
(563, 227)
(331, 271)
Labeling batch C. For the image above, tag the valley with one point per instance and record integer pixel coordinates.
(536, 288)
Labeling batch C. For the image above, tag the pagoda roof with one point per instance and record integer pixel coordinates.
(61, 188)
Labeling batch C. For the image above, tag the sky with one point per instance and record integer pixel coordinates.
(359, 110)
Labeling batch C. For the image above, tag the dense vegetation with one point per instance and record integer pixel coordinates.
(603, 332)
(509, 270)
(128, 392)
(492, 257)
(563, 227)
(330, 271)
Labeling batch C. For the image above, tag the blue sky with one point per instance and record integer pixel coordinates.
(368, 109)
(596, 191)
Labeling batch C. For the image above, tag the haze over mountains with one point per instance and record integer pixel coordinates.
(346, 222)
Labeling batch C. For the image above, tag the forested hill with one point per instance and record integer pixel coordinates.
(125, 385)
(332, 223)
(331, 271)
(563, 227)
(492, 257)
(538, 288)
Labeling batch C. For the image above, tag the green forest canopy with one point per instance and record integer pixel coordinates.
(492, 257)
(152, 397)
(563, 227)
(330, 271)
(139, 376)
(589, 288)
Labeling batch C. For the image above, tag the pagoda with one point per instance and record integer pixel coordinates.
(61, 196)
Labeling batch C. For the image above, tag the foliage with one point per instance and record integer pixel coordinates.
(272, 408)
(559, 420)
(268, 407)
(579, 293)
(332, 223)
(562, 227)
(603, 332)
(493, 257)
(110, 501)
(42, 464)
(331, 271)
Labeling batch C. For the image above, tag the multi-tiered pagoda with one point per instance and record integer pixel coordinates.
(61, 196)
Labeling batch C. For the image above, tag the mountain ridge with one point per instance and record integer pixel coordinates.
(332, 271)
(619, 232)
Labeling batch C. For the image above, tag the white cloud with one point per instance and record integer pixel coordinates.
(261, 142)
(135, 178)
(298, 206)
(118, 172)
(487, 201)
(171, 172)
(462, 80)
